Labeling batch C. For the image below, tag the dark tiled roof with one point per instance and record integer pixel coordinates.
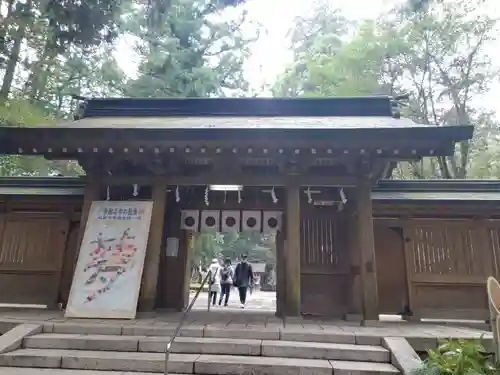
(438, 185)
(435, 196)
(333, 120)
(234, 107)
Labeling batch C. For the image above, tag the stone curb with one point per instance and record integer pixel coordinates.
(13, 339)
(403, 357)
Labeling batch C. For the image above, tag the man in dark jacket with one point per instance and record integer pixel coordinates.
(243, 278)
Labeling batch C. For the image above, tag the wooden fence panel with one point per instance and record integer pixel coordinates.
(448, 262)
(31, 256)
(493, 233)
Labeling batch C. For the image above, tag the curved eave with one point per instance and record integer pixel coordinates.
(11, 139)
(468, 186)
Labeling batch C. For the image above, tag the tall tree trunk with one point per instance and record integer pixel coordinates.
(37, 77)
(14, 56)
(12, 63)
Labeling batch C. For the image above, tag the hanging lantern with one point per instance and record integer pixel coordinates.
(251, 221)
(210, 220)
(190, 220)
(230, 221)
(272, 221)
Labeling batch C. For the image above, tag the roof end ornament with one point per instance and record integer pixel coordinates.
(397, 102)
(81, 106)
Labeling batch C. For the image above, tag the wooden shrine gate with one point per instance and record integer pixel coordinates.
(31, 257)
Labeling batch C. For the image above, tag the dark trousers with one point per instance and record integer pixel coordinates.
(224, 292)
(213, 296)
(243, 293)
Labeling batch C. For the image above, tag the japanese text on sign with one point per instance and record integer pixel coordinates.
(120, 214)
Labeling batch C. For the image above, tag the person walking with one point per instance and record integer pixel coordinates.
(243, 278)
(214, 280)
(226, 281)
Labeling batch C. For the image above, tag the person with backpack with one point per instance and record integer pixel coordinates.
(226, 281)
(243, 279)
(214, 280)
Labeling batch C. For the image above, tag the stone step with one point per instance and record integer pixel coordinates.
(333, 335)
(193, 345)
(98, 360)
(331, 351)
(188, 363)
(57, 371)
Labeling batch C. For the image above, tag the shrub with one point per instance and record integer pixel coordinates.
(459, 357)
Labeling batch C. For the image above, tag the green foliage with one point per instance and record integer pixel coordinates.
(193, 53)
(206, 247)
(434, 50)
(22, 112)
(249, 243)
(232, 245)
(89, 72)
(459, 357)
(50, 50)
(436, 53)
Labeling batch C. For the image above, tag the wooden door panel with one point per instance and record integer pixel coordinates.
(391, 269)
(31, 257)
(325, 288)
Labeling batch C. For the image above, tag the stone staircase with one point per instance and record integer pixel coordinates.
(77, 348)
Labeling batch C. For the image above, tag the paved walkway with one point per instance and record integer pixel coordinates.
(257, 301)
(257, 315)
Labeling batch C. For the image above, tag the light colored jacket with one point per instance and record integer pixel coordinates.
(215, 277)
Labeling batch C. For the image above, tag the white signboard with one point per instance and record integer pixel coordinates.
(172, 246)
(108, 273)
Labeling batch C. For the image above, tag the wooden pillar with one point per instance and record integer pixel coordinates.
(280, 274)
(292, 251)
(366, 243)
(355, 306)
(149, 285)
(90, 194)
(188, 256)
